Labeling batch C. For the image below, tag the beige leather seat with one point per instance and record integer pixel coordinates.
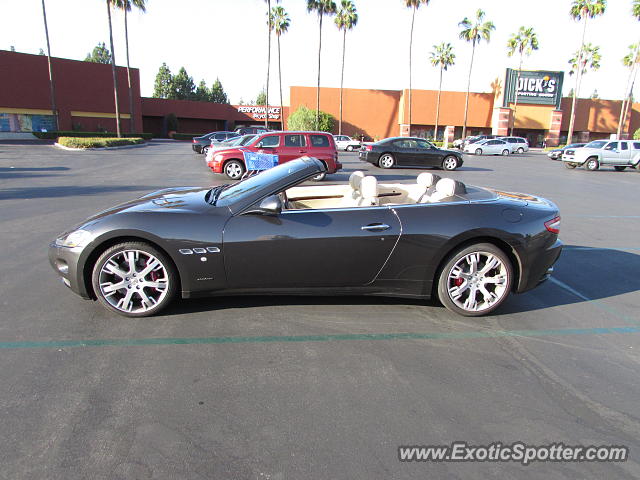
(369, 192)
(417, 193)
(353, 196)
(445, 188)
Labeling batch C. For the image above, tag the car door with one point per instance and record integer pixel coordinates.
(625, 153)
(425, 155)
(402, 152)
(611, 153)
(342, 247)
(294, 146)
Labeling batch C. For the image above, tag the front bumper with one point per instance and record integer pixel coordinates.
(65, 262)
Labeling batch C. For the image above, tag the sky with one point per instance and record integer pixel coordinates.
(228, 39)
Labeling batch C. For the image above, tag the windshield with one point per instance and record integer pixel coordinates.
(247, 139)
(596, 144)
(233, 192)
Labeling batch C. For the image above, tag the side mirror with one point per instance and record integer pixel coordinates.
(271, 205)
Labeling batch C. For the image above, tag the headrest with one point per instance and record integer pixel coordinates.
(355, 178)
(427, 179)
(446, 187)
(369, 187)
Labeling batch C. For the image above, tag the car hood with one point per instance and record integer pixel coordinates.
(452, 152)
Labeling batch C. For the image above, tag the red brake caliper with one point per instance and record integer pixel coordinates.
(457, 282)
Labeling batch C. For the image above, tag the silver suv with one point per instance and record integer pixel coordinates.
(516, 144)
(618, 154)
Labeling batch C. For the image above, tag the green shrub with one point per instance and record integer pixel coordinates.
(547, 149)
(55, 134)
(636, 135)
(185, 136)
(305, 119)
(97, 142)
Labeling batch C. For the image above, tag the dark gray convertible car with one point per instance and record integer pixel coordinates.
(468, 246)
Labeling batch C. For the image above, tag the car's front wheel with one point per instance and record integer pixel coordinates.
(505, 152)
(234, 169)
(592, 164)
(450, 163)
(475, 280)
(570, 166)
(478, 151)
(320, 177)
(386, 161)
(205, 150)
(134, 279)
(349, 148)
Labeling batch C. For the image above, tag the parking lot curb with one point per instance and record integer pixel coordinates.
(62, 147)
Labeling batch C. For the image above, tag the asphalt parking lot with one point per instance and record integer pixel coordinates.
(311, 388)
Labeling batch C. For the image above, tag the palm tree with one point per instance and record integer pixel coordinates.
(524, 42)
(474, 32)
(631, 61)
(280, 22)
(582, 10)
(269, 28)
(126, 5)
(413, 5)
(51, 84)
(442, 56)
(588, 57)
(346, 19)
(113, 70)
(322, 7)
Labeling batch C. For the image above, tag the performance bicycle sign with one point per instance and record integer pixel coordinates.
(259, 113)
(533, 87)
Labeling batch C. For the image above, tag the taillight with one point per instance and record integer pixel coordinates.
(367, 148)
(553, 225)
(194, 140)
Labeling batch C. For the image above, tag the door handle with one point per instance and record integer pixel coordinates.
(303, 151)
(375, 227)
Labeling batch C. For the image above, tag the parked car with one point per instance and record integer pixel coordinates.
(489, 147)
(556, 153)
(618, 154)
(409, 152)
(250, 130)
(516, 144)
(343, 142)
(268, 234)
(462, 144)
(199, 143)
(233, 142)
(286, 145)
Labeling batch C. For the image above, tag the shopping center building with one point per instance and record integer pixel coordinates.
(85, 101)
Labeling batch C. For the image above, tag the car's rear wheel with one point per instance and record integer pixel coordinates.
(320, 177)
(205, 150)
(234, 169)
(520, 150)
(475, 280)
(570, 166)
(450, 163)
(386, 161)
(592, 164)
(619, 168)
(478, 151)
(134, 279)
(505, 152)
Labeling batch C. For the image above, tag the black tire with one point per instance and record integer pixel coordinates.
(205, 150)
(520, 150)
(501, 290)
(570, 166)
(386, 160)
(592, 164)
(234, 169)
(138, 308)
(450, 163)
(619, 168)
(505, 152)
(478, 151)
(349, 148)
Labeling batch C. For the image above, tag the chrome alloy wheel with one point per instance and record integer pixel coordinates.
(386, 161)
(477, 281)
(133, 281)
(233, 170)
(450, 163)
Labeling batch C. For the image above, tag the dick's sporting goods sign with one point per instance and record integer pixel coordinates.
(534, 87)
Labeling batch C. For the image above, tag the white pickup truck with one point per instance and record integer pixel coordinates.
(618, 154)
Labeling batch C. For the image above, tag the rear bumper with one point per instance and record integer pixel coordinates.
(540, 267)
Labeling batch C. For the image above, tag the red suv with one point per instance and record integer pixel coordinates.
(286, 145)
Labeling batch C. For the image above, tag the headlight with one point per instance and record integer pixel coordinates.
(79, 238)
(218, 158)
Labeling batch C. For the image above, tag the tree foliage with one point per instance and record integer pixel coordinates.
(305, 119)
(217, 93)
(162, 85)
(100, 54)
(261, 99)
(182, 87)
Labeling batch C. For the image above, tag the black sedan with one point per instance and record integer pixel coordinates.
(409, 152)
(556, 153)
(269, 234)
(200, 144)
